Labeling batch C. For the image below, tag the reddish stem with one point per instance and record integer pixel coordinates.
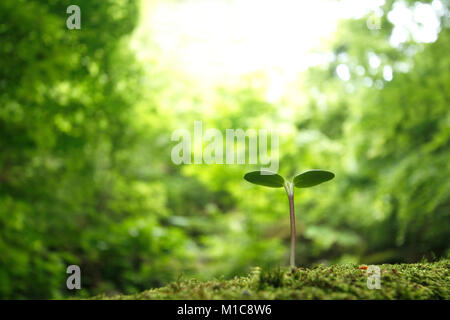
(292, 214)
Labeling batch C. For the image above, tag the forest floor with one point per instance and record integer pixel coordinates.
(429, 280)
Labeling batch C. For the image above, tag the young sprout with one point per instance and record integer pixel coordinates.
(306, 179)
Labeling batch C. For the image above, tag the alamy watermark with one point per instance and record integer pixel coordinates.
(373, 21)
(373, 277)
(74, 280)
(212, 147)
(74, 20)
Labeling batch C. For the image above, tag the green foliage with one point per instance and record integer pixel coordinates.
(388, 142)
(72, 190)
(267, 179)
(312, 178)
(420, 281)
(306, 179)
(86, 176)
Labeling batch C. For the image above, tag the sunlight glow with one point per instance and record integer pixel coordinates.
(421, 24)
(220, 38)
(217, 41)
(343, 72)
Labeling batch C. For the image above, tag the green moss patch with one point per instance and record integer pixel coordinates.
(344, 281)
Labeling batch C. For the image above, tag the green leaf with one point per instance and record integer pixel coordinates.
(312, 178)
(269, 179)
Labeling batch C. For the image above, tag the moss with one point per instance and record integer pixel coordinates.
(345, 281)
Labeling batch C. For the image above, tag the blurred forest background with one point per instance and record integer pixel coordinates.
(86, 176)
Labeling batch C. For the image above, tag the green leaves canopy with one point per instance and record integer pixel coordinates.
(312, 178)
(268, 179)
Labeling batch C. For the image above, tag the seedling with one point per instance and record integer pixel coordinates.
(306, 179)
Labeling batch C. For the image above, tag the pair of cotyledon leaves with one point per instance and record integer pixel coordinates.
(306, 179)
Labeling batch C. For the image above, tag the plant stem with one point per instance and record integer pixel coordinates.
(292, 213)
(290, 192)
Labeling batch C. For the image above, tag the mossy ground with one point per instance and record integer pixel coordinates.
(346, 281)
